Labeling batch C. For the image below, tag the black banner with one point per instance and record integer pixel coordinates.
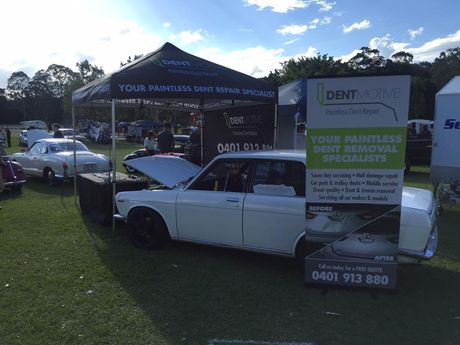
(238, 129)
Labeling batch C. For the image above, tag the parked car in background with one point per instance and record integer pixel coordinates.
(248, 200)
(68, 134)
(53, 160)
(180, 142)
(418, 152)
(23, 138)
(12, 173)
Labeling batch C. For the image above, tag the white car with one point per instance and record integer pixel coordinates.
(68, 134)
(248, 200)
(53, 159)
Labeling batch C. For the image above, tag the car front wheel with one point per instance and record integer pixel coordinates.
(50, 177)
(146, 229)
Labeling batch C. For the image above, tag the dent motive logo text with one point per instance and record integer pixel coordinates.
(369, 96)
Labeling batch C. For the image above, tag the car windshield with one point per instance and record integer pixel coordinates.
(67, 132)
(67, 146)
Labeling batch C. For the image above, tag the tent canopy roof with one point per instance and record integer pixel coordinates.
(452, 87)
(170, 77)
(293, 93)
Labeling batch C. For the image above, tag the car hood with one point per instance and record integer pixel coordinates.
(36, 134)
(168, 170)
(417, 198)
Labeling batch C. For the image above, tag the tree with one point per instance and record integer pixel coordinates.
(59, 77)
(129, 60)
(445, 67)
(402, 57)
(87, 72)
(368, 60)
(16, 85)
(307, 66)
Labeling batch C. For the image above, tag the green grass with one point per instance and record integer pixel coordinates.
(64, 280)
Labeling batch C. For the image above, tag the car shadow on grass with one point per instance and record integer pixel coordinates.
(193, 293)
(40, 186)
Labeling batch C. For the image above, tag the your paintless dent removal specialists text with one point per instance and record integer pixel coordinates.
(355, 148)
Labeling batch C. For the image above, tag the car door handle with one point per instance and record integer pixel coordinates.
(233, 200)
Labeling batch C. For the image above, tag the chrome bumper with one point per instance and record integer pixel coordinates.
(430, 249)
(119, 217)
(14, 183)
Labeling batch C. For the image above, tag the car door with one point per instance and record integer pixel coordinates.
(274, 208)
(30, 159)
(211, 209)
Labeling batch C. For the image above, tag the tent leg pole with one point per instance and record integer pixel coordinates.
(275, 129)
(74, 159)
(114, 166)
(201, 131)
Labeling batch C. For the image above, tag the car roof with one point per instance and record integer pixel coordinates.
(295, 155)
(56, 140)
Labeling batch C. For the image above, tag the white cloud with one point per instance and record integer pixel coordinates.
(300, 29)
(431, 50)
(56, 38)
(326, 20)
(386, 46)
(245, 30)
(276, 5)
(347, 57)
(166, 25)
(365, 24)
(426, 52)
(256, 61)
(187, 37)
(291, 41)
(416, 32)
(311, 52)
(325, 6)
(292, 29)
(284, 6)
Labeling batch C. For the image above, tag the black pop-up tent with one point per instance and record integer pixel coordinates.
(174, 79)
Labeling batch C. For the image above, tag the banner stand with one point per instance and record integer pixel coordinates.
(356, 143)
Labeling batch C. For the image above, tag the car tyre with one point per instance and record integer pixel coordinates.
(50, 177)
(147, 229)
(17, 188)
(305, 248)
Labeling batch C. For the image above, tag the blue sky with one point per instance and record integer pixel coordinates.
(252, 36)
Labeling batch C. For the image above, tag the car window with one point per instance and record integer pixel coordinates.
(43, 148)
(282, 178)
(67, 146)
(224, 176)
(36, 148)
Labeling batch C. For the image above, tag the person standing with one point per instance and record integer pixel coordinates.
(166, 140)
(2, 143)
(150, 144)
(57, 132)
(195, 146)
(8, 136)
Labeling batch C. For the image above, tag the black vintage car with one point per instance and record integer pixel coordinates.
(418, 152)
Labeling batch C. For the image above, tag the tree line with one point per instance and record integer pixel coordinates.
(48, 94)
(427, 78)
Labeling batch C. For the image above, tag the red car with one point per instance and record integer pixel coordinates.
(12, 173)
